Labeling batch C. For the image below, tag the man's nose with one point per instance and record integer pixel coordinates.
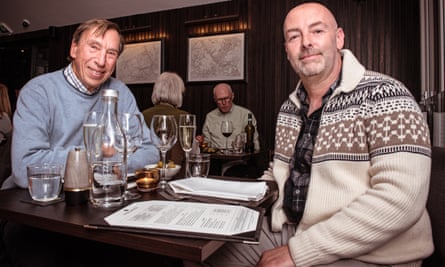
(306, 40)
(101, 57)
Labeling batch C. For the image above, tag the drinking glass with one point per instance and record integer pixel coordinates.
(92, 127)
(187, 131)
(44, 181)
(199, 165)
(164, 136)
(91, 122)
(131, 124)
(226, 130)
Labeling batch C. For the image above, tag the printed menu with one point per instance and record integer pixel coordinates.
(190, 219)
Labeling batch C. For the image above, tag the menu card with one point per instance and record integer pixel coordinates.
(189, 219)
(239, 190)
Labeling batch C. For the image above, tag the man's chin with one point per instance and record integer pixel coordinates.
(94, 83)
(312, 71)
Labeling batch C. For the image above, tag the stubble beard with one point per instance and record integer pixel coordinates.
(310, 69)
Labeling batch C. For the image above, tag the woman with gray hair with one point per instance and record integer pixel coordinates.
(167, 97)
(169, 88)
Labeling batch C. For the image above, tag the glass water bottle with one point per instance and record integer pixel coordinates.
(109, 163)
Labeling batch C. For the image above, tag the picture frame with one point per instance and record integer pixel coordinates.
(219, 57)
(140, 62)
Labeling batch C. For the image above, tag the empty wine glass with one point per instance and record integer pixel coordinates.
(187, 131)
(226, 130)
(131, 124)
(164, 136)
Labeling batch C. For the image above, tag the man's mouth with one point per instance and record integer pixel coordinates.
(96, 74)
(308, 56)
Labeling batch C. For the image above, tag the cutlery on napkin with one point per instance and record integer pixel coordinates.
(239, 190)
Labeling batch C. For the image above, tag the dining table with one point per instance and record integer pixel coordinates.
(16, 205)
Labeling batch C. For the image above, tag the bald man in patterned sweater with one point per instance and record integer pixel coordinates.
(352, 162)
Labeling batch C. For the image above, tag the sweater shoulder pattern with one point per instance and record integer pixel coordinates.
(378, 117)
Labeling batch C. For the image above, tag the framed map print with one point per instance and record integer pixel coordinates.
(216, 58)
(140, 63)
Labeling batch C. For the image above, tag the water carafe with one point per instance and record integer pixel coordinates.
(109, 161)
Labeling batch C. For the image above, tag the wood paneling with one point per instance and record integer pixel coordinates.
(383, 34)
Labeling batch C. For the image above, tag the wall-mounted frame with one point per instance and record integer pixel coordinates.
(140, 62)
(216, 58)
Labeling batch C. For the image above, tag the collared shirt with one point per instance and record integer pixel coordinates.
(72, 79)
(296, 187)
(212, 126)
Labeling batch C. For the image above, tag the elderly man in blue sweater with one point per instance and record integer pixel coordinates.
(51, 107)
(48, 124)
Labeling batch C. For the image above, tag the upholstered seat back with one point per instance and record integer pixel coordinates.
(436, 207)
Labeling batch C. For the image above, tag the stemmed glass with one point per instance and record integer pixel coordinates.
(131, 124)
(226, 130)
(187, 131)
(164, 136)
(91, 122)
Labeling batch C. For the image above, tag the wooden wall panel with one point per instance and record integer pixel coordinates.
(383, 34)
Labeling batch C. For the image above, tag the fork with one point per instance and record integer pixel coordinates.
(172, 196)
(169, 194)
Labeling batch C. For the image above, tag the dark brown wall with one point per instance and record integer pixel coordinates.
(383, 34)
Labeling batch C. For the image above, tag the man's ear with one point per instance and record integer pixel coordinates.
(73, 50)
(340, 36)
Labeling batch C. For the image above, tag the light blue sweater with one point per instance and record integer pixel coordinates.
(48, 124)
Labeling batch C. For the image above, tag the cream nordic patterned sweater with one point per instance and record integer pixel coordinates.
(370, 174)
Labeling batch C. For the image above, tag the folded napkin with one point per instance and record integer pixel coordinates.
(246, 191)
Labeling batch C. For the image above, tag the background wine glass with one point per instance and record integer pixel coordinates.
(131, 124)
(187, 131)
(164, 136)
(226, 130)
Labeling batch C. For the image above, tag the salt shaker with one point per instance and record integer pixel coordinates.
(76, 183)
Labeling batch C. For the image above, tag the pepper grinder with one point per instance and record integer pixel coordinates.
(76, 183)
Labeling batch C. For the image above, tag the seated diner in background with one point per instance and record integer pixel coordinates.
(226, 111)
(5, 133)
(167, 96)
(5, 113)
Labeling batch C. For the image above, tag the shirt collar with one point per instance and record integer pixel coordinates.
(72, 79)
(302, 94)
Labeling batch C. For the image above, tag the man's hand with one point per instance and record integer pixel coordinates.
(277, 257)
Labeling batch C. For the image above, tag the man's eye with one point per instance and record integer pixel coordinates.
(113, 53)
(293, 37)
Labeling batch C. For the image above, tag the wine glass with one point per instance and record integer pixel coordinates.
(164, 136)
(226, 130)
(131, 124)
(187, 131)
(91, 122)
